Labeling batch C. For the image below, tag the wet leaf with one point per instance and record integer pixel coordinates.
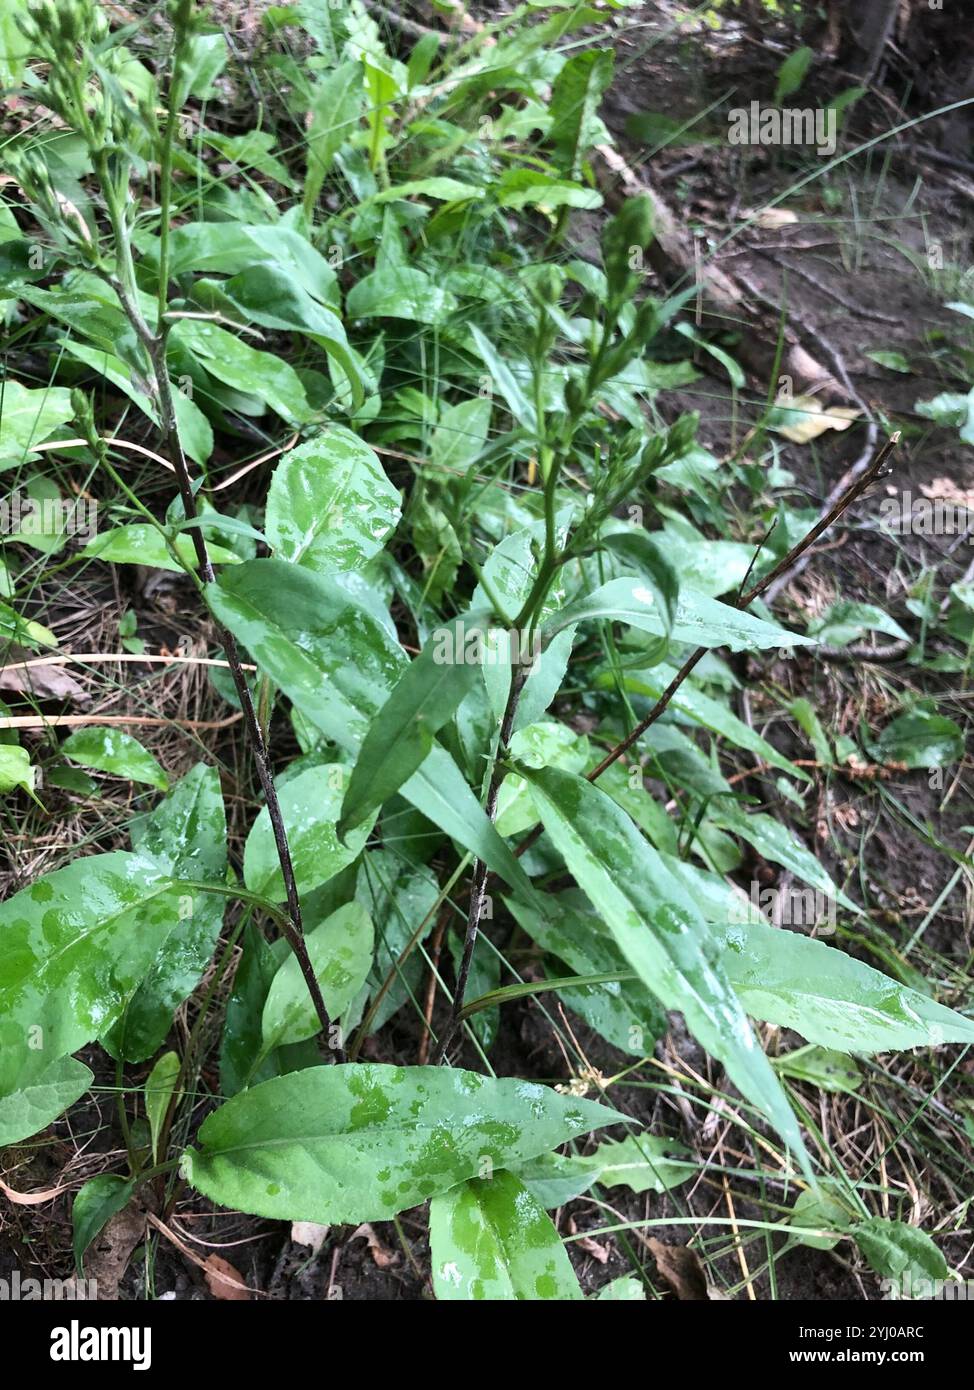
(491, 1240)
(310, 805)
(362, 1142)
(188, 833)
(340, 950)
(75, 945)
(659, 931)
(111, 750)
(330, 506)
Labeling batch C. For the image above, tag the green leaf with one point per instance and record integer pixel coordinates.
(900, 1252)
(625, 1013)
(94, 1206)
(188, 833)
(817, 1208)
(398, 896)
(337, 663)
(29, 417)
(625, 1289)
(952, 410)
(159, 1087)
(846, 621)
(699, 621)
(267, 295)
(246, 369)
(340, 950)
(703, 709)
(400, 292)
(776, 842)
(15, 769)
(821, 1067)
(575, 97)
(460, 436)
(73, 948)
(490, 1239)
(194, 429)
(362, 1142)
(326, 651)
(310, 805)
(242, 1041)
(231, 247)
(792, 73)
(638, 550)
(336, 107)
(401, 735)
(659, 931)
(892, 361)
(330, 505)
(920, 738)
(504, 380)
(32, 1108)
(641, 1162)
(23, 630)
(445, 190)
(525, 187)
(111, 750)
(828, 997)
(139, 543)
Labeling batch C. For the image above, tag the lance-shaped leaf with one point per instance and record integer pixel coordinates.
(575, 98)
(330, 505)
(310, 803)
(491, 1239)
(159, 1087)
(401, 735)
(625, 1012)
(340, 950)
(337, 662)
(661, 934)
(362, 1142)
(828, 997)
(699, 621)
(702, 709)
(187, 833)
(73, 948)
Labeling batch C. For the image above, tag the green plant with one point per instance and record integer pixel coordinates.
(411, 631)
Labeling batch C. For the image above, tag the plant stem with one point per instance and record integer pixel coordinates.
(743, 601)
(478, 885)
(854, 491)
(154, 343)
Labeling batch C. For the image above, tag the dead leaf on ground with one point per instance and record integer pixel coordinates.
(309, 1233)
(803, 418)
(947, 490)
(223, 1281)
(591, 1247)
(109, 1253)
(770, 218)
(381, 1254)
(46, 682)
(681, 1268)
